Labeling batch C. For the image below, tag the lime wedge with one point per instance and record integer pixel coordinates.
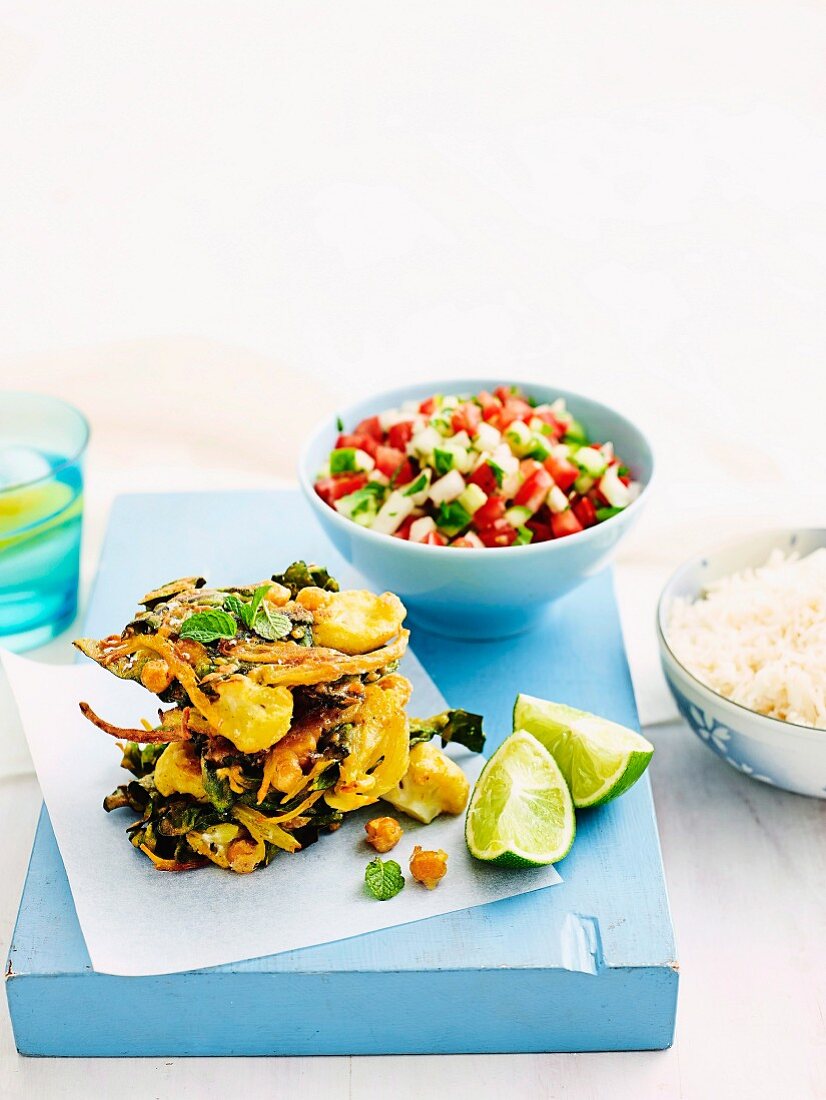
(599, 759)
(520, 813)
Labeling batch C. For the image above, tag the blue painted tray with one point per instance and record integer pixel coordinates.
(588, 965)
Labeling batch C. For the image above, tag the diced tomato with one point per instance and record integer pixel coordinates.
(489, 404)
(504, 393)
(492, 510)
(399, 435)
(467, 418)
(464, 544)
(371, 426)
(585, 511)
(597, 498)
(390, 460)
(404, 531)
(541, 531)
(363, 442)
(547, 417)
(513, 409)
(330, 489)
(435, 538)
(562, 471)
(564, 523)
(427, 407)
(485, 478)
(532, 492)
(625, 479)
(499, 533)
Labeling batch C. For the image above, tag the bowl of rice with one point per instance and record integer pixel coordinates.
(742, 635)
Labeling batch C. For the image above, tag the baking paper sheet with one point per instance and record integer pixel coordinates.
(137, 920)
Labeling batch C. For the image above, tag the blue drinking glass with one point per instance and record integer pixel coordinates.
(42, 444)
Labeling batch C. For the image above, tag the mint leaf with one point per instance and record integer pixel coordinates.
(235, 606)
(270, 623)
(383, 878)
(208, 626)
(242, 610)
(339, 424)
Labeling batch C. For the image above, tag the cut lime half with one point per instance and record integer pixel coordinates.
(599, 759)
(520, 813)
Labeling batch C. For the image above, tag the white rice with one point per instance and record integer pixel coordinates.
(759, 637)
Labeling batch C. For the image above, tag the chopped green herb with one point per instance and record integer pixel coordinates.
(417, 486)
(523, 535)
(457, 726)
(606, 513)
(453, 517)
(383, 878)
(208, 626)
(623, 471)
(300, 575)
(442, 461)
(343, 460)
(498, 472)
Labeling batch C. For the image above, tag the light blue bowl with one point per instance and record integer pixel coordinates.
(781, 754)
(479, 594)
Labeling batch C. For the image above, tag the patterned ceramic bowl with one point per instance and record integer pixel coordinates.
(779, 753)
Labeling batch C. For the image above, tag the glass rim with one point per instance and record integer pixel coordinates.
(71, 459)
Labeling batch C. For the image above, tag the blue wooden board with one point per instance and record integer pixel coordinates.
(587, 965)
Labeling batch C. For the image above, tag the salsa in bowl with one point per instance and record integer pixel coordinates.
(480, 595)
(475, 471)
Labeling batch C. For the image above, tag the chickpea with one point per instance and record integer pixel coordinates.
(155, 676)
(383, 833)
(312, 598)
(278, 595)
(428, 868)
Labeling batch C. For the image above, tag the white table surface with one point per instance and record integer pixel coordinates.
(218, 222)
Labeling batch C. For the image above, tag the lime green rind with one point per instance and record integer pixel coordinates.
(600, 761)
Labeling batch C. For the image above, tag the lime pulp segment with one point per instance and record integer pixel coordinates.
(520, 813)
(599, 759)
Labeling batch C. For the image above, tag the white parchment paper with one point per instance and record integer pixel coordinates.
(209, 917)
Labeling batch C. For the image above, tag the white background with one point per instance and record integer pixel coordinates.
(217, 220)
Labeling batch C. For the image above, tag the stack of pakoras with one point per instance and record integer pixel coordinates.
(285, 713)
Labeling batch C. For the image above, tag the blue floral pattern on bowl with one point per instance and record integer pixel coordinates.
(719, 738)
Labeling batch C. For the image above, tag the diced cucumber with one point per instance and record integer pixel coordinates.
(362, 506)
(591, 461)
(518, 515)
(575, 433)
(557, 501)
(472, 498)
(447, 488)
(421, 528)
(519, 437)
(392, 513)
(418, 489)
(584, 484)
(350, 460)
(523, 535)
(487, 437)
(423, 442)
(540, 448)
(613, 489)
